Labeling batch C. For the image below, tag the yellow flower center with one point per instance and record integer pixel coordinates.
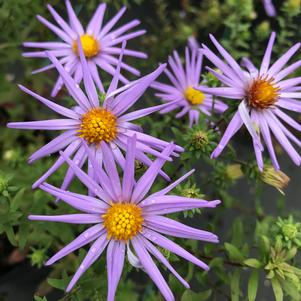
(123, 221)
(262, 93)
(193, 96)
(90, 45)
(98, 124)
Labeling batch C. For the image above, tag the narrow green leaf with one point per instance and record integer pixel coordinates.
(57, 283)
(290, 289)
(234, 284)
(238, 231)
(278, 292)
(192, 296)
(234, 253)
(253, 285)
(10, 234)
(253, 263)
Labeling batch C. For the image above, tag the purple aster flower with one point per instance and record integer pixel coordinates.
(262, 94)
(99, 43)
(126, 219)
(94, 122)
(269, 8)
(181, 94)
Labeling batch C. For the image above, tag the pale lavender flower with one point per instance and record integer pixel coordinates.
(262, 94)
(126, 218)
(269, 8)
(94, 122)
(99, 41)
(181, 94)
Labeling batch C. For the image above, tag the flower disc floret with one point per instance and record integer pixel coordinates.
(97, 125)
(123, 221)
(193, 96)
(90, 46)
(262, 93)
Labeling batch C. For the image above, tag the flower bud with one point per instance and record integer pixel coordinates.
(234, 172)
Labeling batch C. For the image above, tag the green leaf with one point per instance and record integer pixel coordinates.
(38, 298)
(234, 284)
(253, 285)
(57, 283)
(10, 234)
(234, 253)
(192, 296)
(253, 263)
(237, 232)
(23, 235)
(264, 244)
(17, 200)
(277, 289)
(290, 289)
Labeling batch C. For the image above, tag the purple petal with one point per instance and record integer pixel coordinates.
(61, 22)
(53, 106)
(95, 23)
(55, 29)
(141, 113)
(269, 8)
(234, 125)
(172, 247)
(155, 252)
(84, 238)
(151, 268)
(268, 140)
(68, 152)
(171, 186)
(115, 262)
(171, 227)
(79, 159)
(267, 56)
(52, 124)
(245, 62)
(82, 203)
(55, 145)
(111, 23)
(125, 37)
(171, 203)
(88, 82)
(145, 182)
(127, 98)
(74, 22)
(73, 88)
(234, 65)
(129, 169)
(86, 180)
(94, 253)
(95, 75)
(111, 169)
(273, 124)
(100, 176)
(114, 83)
(279, 64)
(69, 218)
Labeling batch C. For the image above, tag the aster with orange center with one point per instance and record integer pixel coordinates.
(95, 124)
(181, 93)
(262, 93)
(99, 42)
(125, 218)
